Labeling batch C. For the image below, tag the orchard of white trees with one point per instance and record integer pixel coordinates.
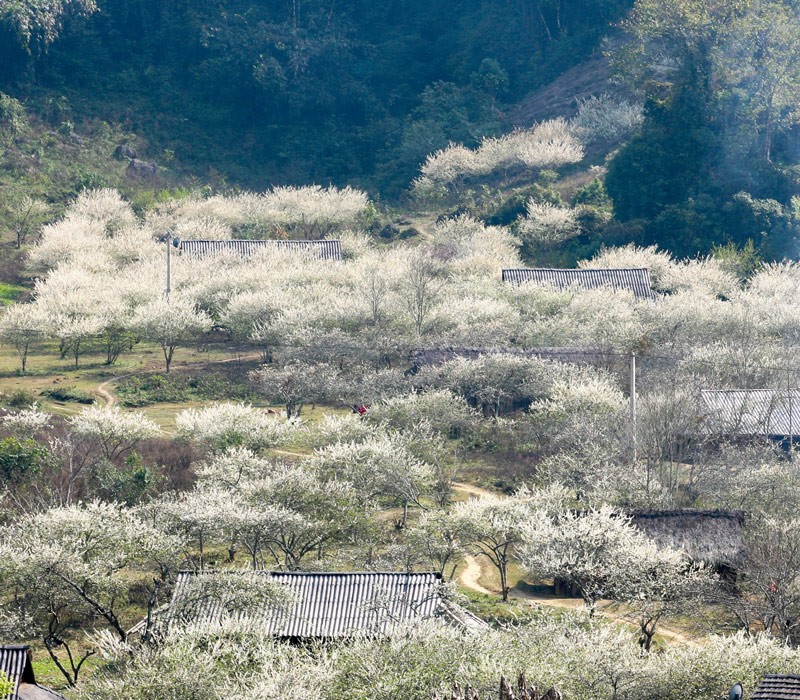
(100, 510)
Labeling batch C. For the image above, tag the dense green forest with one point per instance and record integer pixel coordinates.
(300, 90)
(247, 95)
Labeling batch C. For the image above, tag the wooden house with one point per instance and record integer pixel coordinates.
(635, 280)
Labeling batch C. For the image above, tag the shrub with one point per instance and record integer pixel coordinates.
(68, 393)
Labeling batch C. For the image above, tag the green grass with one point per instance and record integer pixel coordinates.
(9, 293)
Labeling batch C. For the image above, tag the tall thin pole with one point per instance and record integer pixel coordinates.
(169, 266)
(633, 406)
(791, 422)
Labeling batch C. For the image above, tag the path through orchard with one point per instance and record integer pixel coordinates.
(477, 572)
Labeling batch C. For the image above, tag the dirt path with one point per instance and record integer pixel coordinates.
(290, 454)
(472, 490)
(107, 396)
(470, 576)
(111, 400)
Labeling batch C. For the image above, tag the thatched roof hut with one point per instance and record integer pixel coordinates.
(711, 536)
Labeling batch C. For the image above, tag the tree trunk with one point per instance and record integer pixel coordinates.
(504, 579)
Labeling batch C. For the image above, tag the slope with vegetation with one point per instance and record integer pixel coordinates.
(263, 411)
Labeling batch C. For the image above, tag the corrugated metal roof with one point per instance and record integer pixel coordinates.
(325, 250)
(754, 412)
(333, 605)
(778, 687)
(15, 661)
(636, 280)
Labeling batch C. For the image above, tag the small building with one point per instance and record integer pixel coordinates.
(327, 606)
(776, 686)
(635, 280)
(199, 248)
(752, 414)
(604, 358)
(714, 537)
(15, 662)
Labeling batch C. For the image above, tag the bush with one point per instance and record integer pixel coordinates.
(20, 398)
(20, 459)
(179, 388)
(68, 393)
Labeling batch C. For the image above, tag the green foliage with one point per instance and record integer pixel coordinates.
(6, 686)
(20, 460)
(742, 262)
(666, 162)
(20, 398)
(128, 483)
(592, 195)
(68, 393)
(9, 293)
(145, 390)
(12, 116)
(351, 91)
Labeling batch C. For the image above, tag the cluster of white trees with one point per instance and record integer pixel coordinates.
(69, 567)
(103, 276)
(579, 658)
(549, 144)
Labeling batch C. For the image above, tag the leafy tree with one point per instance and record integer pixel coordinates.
(6, 686)
(20, 460)
(666, 162)
(62, 569)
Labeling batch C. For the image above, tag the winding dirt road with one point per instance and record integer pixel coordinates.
(470, 578)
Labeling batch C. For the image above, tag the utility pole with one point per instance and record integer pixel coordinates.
(170, 240)
(169, 266)
(791, 421)
(634, 449)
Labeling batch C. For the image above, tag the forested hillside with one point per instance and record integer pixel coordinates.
(298, 90)
(248, 95)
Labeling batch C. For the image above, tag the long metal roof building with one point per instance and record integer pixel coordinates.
(636, 280)
(15, 661)
(330, 605)
(753, 412)
(596, 356)
(324, 249)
